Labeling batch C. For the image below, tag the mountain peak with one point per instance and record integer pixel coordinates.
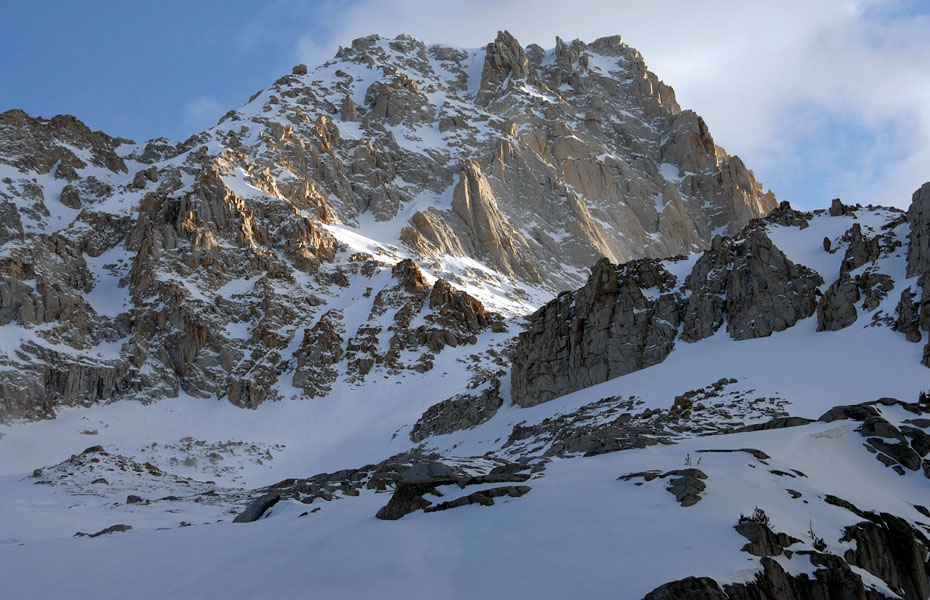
(507, 171)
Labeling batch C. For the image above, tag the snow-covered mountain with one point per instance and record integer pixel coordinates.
(382, 246)
(213, 267)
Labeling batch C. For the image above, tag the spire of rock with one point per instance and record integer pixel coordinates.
(504, 59)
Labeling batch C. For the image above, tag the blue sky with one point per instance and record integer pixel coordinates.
(141, 69)
(821, 99)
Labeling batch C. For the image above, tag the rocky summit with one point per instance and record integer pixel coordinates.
(510, 324)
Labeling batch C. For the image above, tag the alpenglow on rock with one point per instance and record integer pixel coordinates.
(221, 266)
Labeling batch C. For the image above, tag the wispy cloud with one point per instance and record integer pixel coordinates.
(202, 113)
(822, 99)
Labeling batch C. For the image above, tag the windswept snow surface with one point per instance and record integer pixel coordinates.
(578, 532)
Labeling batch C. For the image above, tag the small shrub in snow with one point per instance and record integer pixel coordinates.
(688, 461)
(816, 541)
(758, 516)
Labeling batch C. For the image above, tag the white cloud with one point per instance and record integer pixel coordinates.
(837, 90)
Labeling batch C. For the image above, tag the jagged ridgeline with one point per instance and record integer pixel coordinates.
(631, 316)
(223, 265)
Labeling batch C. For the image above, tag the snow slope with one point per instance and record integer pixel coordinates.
(579, 531)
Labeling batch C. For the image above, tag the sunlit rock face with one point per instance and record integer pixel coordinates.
(224, 265)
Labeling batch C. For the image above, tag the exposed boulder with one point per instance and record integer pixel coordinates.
(685, 484)
(689, 588)
(838, 209)
(408, 494)
(785, 215)
(836, 309)
(854, 412)
(257, 508)
(483, 498)
(879, 427)
(777, 423)
(111, 529)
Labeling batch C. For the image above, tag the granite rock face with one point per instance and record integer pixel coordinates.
(461, 412)
(918, 218)
(859, 278)
(216, 266)
(914, 314)
(837, 308)
(606, 329)
(628, 317)
(568, 162)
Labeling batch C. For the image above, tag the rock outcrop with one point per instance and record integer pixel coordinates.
(913, 314)
(891, 549)
(463, 411)
(859, 277)
(685, 484)
(628, 317)
(608, 328)
(751, 283)
(918, 218)
(837, 308)
(886, 546)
